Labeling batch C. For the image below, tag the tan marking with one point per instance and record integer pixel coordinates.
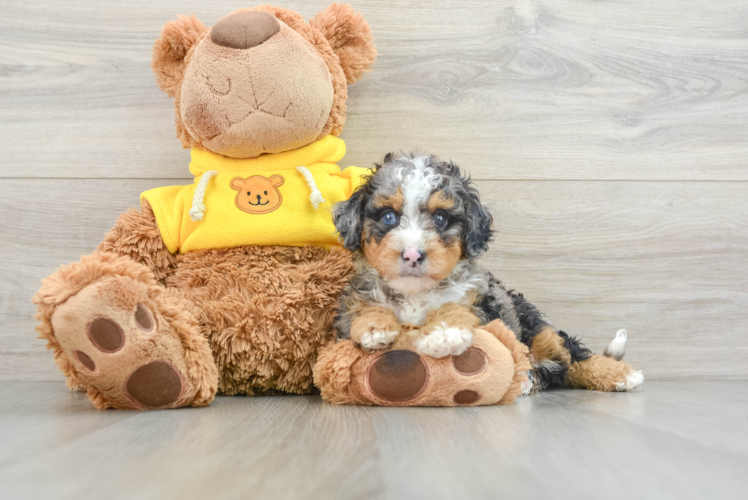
(373, 318)
(439, 200)
(598, 373)
(452, 314)
(383, 256)
(548, 345)
(440, 258)
(394, 201)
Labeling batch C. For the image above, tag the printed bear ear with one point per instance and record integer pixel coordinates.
(350, 37)
(277, 180)
(237, 183)
(171, 48)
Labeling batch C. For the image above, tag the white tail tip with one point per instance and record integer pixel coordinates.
(617, 347)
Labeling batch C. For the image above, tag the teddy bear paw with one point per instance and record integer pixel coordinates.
(125, 354)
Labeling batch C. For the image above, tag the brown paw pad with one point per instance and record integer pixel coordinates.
(106, 335)
(143, 318)
(470, 362)
(466, 397)
(397, 376)
(86, 360)
(154, 385)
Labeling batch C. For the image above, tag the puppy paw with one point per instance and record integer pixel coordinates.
(378, 339)
(633, 380)
(444, 341)
(528, 386)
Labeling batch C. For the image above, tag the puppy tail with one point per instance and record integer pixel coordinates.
(617, 347)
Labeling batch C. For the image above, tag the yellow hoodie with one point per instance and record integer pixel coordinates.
(274, 199)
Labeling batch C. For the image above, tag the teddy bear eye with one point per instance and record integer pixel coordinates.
(248, 193)
(266, 193)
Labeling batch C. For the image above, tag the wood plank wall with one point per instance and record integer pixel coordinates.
(610, 139)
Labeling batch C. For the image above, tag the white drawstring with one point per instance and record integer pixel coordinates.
(198, 207)
(316, 196)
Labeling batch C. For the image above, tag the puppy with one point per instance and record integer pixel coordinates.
(416, 229)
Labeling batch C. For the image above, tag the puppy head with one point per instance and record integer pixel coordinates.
(414, 219)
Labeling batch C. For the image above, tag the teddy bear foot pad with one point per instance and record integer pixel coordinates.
(400, 376)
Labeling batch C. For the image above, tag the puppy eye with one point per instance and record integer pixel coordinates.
(440, 220)
(389, 218)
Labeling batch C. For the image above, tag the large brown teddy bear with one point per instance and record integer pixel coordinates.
(229, 284)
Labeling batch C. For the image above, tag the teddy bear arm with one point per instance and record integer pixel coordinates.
(136, 235)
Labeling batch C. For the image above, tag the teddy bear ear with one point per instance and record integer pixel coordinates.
(350, 37)
(171, 48)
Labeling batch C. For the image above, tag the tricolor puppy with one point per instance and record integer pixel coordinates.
(417, 228)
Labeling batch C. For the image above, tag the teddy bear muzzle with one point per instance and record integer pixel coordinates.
(244, 30)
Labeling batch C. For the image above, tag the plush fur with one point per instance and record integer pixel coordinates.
(138, 327)
(417, 228)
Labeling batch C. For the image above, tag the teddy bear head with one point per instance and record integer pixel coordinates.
(261, 80)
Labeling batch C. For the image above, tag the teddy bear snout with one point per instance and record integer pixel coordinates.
(244, 30)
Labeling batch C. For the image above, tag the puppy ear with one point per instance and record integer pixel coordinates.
(477, 233)
(176, 40)
(350, 37)
(348, 217)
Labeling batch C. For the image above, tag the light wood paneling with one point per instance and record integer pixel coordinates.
(559, 444)
(610, 137)
(664, 260)
(517, 89)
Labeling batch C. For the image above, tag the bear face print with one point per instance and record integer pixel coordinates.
(258, 194)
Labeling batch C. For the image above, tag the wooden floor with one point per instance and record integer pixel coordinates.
(678, 440)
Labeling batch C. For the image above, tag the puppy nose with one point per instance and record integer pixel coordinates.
(244, 30)
(413, 255)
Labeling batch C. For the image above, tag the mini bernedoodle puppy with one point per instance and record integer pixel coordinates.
(417, 228)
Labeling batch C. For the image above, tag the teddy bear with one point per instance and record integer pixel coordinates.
(229, 284)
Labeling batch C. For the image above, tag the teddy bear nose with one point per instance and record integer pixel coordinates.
(244, 30)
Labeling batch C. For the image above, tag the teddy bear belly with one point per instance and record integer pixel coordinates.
(266, 311)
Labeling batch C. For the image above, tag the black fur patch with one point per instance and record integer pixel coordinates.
(575, 347)
(529, 317)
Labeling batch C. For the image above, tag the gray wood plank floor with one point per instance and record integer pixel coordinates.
(672, 439)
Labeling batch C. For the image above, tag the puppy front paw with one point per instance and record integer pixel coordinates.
(377, 339)
(444, 341)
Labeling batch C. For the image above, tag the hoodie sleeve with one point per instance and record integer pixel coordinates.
(354, 177)
(164, 201)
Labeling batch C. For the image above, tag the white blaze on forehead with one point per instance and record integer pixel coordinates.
(417, 185)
